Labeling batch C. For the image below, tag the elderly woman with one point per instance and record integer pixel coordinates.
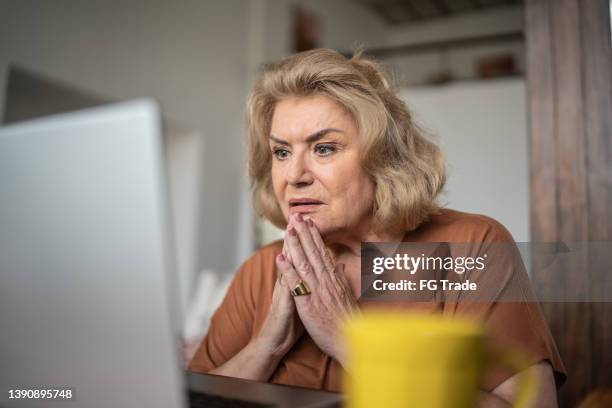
(337, 160)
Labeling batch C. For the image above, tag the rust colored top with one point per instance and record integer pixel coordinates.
(246, 304)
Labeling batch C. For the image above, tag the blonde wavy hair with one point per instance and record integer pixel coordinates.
(407, 168)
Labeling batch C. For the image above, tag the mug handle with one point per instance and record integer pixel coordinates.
(527, 380)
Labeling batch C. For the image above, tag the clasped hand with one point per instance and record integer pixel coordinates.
(306, 258)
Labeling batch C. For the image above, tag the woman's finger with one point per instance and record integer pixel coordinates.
(299, 260)
(285, 248)
(280, 292)
(290, 276)
(309, 247)
(318, 241)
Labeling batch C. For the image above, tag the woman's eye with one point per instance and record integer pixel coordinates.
(281, 154)
(325, 150)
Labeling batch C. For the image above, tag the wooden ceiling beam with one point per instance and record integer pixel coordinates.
(410, 9)
(442, 7)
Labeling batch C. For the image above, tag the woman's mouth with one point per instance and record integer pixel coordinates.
(304, 205)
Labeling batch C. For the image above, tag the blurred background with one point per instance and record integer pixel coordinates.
(518, 94)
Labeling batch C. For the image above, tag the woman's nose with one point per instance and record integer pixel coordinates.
(299, 173)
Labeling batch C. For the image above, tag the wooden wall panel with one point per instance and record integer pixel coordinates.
(569, 74)
(595, 35)
(541, 97)
(597, 97)
(568, 114)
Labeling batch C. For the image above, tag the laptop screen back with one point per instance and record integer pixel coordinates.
(85, 261)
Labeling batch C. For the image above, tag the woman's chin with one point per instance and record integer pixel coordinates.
(328, 231)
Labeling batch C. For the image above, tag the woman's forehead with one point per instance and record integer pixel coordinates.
(303, 116)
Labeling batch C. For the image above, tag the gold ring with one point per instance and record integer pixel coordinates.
(301, 289)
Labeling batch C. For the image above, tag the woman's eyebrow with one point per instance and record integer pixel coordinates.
(310, 139)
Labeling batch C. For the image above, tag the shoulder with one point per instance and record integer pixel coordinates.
(261, 264)
(254, 280)
(265, 254)
(456, 226)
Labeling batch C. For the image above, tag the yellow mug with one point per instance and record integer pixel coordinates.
(406, 360)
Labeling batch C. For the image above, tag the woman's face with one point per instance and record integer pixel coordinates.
(315, 164)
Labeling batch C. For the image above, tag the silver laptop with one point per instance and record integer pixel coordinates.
(85, 265)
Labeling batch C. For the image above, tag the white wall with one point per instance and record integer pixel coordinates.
(482, 124)
(184, 150)
(483, 129)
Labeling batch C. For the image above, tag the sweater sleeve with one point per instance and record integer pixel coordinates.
(231, 325)
(506, 305)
